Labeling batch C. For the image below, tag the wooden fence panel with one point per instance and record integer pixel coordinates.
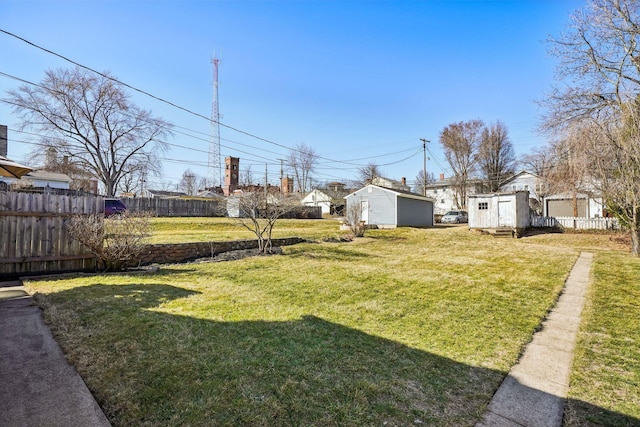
(176, 207)
(33, 232)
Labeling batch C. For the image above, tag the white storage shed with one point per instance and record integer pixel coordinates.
(500, 211)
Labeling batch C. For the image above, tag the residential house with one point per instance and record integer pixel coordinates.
(445, 195)
(40, 179)
(556, 205)
(389, 208)
(318, 198)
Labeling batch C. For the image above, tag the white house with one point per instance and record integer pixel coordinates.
(390, 208)
(500, 211)
(443, 192)
(41, 179)
(318, 198)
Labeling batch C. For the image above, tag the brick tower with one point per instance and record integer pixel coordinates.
(231, 172)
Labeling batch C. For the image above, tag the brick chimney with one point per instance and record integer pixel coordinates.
(441, 177)
(3, 140)
(404, 180)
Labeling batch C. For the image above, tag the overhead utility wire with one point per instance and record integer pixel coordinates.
(160, 99)
(236, 142)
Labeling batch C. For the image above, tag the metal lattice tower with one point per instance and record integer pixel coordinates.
(215, 169)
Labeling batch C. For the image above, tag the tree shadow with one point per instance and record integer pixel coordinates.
(149, 365)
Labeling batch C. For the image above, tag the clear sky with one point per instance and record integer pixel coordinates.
(359, 81)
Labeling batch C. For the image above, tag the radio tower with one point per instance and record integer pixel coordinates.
(215, 171)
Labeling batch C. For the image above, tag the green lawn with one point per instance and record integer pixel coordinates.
(401, 327)
(180, 230)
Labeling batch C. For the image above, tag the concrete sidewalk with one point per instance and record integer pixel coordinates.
(38, 387)
(534, 392)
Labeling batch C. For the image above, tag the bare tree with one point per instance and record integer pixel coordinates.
(570, 173)
(459, 142)
(89, 119)
(422, 180)
(189, 182)
(495, 156)
(367, 173)
(246, 177)
(599, 69)
(259, 212)
(302, 161)
(540, 162)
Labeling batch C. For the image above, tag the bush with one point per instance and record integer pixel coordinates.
(117, 241)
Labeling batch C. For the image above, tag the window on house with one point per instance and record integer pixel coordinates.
(483, 206)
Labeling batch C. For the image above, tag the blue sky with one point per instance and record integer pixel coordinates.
(359, 81)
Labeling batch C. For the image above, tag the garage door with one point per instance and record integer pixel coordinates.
(564, 207)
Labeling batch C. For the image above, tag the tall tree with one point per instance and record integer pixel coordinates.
(367, 173)
(459, 142)
(540, 161)
(302, 161)
(90, 119)
(495, 157)
(599, 69)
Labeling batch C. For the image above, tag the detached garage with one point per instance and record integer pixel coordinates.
(388, 208)
(500, 211)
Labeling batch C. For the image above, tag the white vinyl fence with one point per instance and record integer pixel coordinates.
(576, 223)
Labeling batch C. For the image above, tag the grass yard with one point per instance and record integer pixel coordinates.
(605, 385)
(180, 230)
(402, 327)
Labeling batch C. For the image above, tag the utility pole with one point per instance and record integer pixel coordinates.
(281, 175)
(424, 170)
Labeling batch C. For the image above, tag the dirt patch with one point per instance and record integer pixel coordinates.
(240, 254)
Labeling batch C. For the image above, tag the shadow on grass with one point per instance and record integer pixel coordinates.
(148, 366)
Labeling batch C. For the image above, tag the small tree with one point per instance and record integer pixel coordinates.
(258, 212)
(118, 242)
(353, 219)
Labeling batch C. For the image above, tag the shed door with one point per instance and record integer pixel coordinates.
(505, 218)
(364, 211)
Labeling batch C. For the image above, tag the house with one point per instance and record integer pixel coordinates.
(318, 198)
(445, 195)
(389, 208)
(41, 179)
(555, 205)
(161, 194)
(498, 211)
(391, 183)
(330, 199)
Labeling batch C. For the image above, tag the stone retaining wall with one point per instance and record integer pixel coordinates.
(181, 252)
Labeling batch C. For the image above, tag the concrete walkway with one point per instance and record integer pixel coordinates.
(534, 392)
(38, 387)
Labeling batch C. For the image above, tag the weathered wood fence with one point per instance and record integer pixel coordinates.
(33, 232)
(176, 207)
(576, 223)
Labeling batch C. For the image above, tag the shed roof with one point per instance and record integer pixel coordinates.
(399, 193)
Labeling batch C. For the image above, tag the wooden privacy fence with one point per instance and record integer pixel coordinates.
(576, 222)
(176, 207)
(33, 232)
